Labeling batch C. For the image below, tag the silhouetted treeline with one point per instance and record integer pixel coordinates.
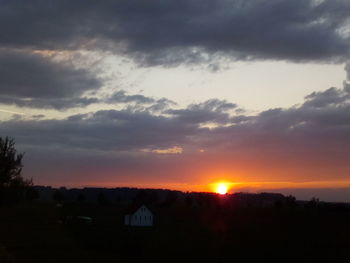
(169, 198)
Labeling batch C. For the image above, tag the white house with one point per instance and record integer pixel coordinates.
(141, 216)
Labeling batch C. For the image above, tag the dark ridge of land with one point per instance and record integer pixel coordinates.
(189, 227)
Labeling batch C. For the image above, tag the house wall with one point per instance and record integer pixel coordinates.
(142, 217)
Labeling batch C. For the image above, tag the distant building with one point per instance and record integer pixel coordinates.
(140, 216)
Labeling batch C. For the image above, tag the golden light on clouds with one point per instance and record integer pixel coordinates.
(172, 150)
(12, 112)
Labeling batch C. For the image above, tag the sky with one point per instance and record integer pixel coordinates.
(180, 94)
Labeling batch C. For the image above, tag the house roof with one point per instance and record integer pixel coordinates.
(134, 207)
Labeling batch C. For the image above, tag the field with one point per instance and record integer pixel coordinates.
(34, 232)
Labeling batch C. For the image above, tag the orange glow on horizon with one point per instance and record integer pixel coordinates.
(206, 184)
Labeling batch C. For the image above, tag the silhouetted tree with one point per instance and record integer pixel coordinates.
(10, 163)
(12, 184)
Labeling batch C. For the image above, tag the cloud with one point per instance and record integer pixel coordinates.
(184, 31)
(213, 110)
(330, 96)
(28, 75)
(33, 80)
(305, 142)
(315, 124)
(49, 103)
(165, 33)
(347, 70)
(104, 130)
(138, 102)
(121, 97)
(172, 150)
(13, 112)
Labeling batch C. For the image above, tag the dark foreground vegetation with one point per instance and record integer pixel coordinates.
(186, 231)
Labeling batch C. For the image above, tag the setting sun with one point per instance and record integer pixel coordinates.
(221, 188)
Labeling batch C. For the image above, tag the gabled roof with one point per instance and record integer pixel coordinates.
(133, 208)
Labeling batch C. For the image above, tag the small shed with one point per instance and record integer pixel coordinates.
(139, 216)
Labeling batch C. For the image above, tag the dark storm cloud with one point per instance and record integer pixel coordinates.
(134, 102)
(28, 75)
(33, 80)
(138, 102)
(213, 110)
(172, 32)
(36, 81)
(49, 103)
(103, 130)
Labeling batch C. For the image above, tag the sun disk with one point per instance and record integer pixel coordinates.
(222, 188)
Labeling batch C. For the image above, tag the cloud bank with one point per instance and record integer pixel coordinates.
(309, 142)
(159, 32)
(154, 33)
